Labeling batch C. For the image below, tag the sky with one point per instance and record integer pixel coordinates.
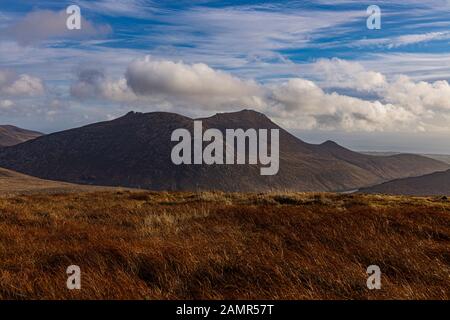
(313, 67)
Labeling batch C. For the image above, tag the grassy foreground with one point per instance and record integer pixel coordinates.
(148, 245)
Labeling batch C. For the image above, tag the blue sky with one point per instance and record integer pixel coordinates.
(312, 66)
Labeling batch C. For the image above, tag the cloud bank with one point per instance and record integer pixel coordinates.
(400, 104)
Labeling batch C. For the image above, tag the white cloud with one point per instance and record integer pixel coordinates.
(12, 84)
(404, 40)
(117, 90)
(196, 82)
(346, 74)
(428, 102)
(304, 99)
(6, 104)
(420, 97)
(417, 96)
(45, 24)
(92, 83)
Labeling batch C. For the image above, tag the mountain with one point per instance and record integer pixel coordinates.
(135, 151)
(10, 135)
(437, 183)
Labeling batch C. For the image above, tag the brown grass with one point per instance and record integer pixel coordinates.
(148, 245)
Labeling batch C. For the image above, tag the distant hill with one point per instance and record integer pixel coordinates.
(440, 157)
(437, 183)
(11, 135)
(134, 151)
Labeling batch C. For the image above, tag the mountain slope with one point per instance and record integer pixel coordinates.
(439, 157)
(12, 182)
(135, 150)
(11, 135)
(386, 167)
(437, 183)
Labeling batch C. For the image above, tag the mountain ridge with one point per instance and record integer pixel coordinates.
(134, 151)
